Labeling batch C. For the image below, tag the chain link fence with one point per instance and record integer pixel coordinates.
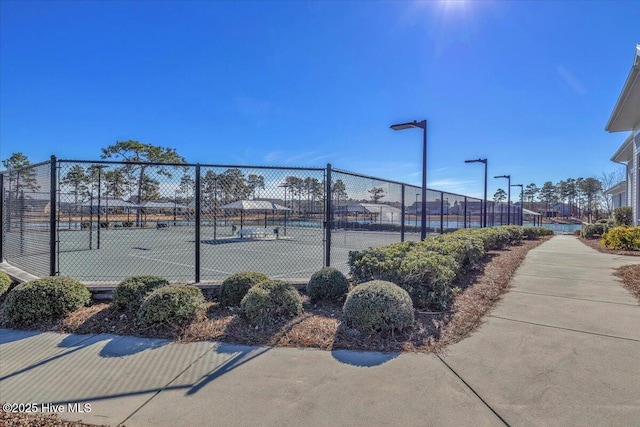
(202, 223)
(26, 219)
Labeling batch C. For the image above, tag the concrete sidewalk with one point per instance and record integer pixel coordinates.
(560, 349)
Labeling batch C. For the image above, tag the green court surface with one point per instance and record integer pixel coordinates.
(293, 254)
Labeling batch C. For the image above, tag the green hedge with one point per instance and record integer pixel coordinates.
(381, 263)
(623, 216)
(171, 306)
(427, 276)
(236, 286)
(594, 231)
(271, 300)
(45, 299)
(131, 292)
(328, 284)
(378, 306)
(427, 270)
(466, 248)
(534, 233)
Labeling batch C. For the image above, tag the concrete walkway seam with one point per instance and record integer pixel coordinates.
(565, 329)
(473, 391)
(573, 298)
(161, 389)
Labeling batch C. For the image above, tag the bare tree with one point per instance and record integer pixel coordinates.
(608, 180)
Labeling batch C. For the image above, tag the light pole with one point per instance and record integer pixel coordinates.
(416, 206)
(508, 196)
(420, 125)
(521, 201)
(484, 213)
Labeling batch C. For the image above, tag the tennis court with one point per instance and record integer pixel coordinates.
(171, 252)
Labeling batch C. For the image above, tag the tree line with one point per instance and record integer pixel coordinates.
(578, 196)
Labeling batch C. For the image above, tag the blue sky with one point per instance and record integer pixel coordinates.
(529, 85)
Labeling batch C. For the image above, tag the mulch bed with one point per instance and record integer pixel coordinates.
(23, 419)
(320, 325)
(630, 274)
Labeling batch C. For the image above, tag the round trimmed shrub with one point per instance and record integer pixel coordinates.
(45, 299)
(270, 300)
(131, 292)
(5, 282)
(236, 286)
(378, 306)
(327, 283)
(170, 305)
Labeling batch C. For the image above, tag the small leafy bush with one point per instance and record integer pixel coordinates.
(378, 306)
(534, 233)
(427, 276)
(45, 299)
(327, 283)
(171, 306)
(5, 282)
(494, 238)
(623, 216)
(594, 231)
(378, 263)
(516, 233)
(622, 238)
(466, 248)
(269, 301)
(236, 286)
(131, 292)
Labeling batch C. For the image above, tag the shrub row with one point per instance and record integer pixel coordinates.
(534, 233)
(427, 270)
(372, 307)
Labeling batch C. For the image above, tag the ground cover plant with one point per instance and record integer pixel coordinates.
(451, 314)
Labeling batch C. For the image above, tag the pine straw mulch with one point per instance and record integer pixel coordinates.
(23, 419)
(630, 274)
(320, 325)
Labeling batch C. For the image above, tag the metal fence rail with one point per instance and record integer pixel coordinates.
(101, 221)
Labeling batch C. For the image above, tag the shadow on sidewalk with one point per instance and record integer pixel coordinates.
(361, 358)
(241, 355)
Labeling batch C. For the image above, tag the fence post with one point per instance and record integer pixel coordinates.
(53, 204)
(197, 261)
(441, 212)
(465, 211)
(402, 216)
(328, 222)
(100, 207)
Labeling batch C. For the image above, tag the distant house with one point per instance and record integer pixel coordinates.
(625, 117)
(618, 194)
